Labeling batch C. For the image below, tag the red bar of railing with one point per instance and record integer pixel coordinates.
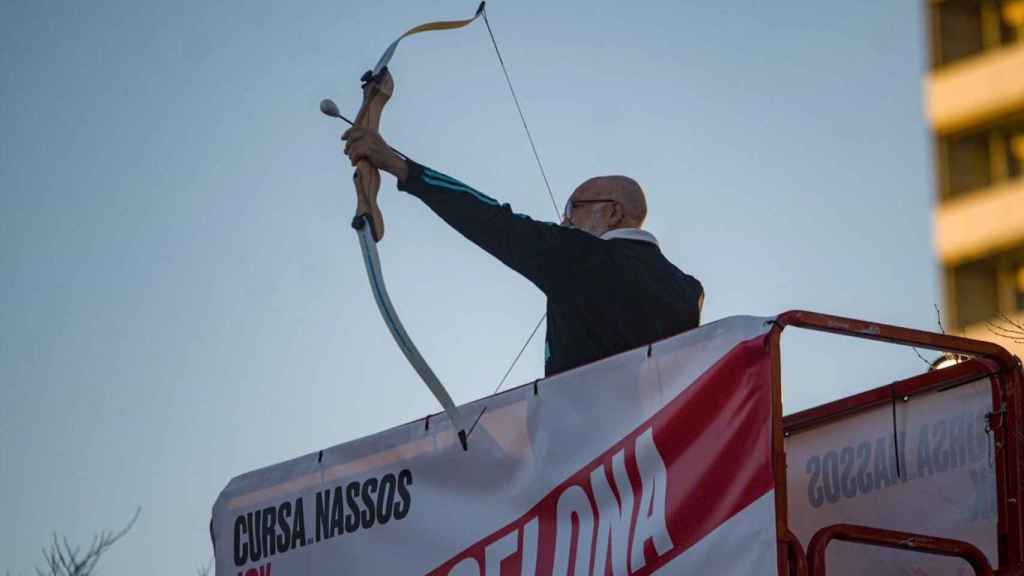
(896, 335)
(797, 557)
(893, 539)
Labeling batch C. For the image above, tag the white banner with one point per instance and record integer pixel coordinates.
(845, 472)
(654, 461)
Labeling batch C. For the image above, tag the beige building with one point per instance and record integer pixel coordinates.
(975, 105)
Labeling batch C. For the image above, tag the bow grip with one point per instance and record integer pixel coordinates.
(377, 91)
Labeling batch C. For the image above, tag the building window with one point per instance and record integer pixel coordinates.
(957, 27)
(981, 158)
(977, 291)
(985, 288)
(963, 28)
(969, 163)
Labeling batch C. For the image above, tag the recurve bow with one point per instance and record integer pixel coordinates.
(378, 85)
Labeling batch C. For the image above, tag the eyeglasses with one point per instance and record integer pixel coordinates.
(571, 205)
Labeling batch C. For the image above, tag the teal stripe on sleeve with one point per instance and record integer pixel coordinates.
(441, 176)
(451, 184)
(447, 184)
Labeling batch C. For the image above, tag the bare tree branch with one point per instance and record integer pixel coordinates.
(938, 318)
(919, 355)
(1016, 325)
(931, 363)
(63, 559)
(1011, 330)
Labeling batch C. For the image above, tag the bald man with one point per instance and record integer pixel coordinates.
(609, 287)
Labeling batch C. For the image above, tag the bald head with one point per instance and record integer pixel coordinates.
(626, 192)
(627, 207)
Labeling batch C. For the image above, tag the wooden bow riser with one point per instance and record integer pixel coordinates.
(376, 93)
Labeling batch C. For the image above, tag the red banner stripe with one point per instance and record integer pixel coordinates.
(715, 442)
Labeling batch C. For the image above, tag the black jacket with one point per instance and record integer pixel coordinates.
(604, 296)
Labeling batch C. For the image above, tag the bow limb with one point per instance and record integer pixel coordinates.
(428, 27)
(380, 293)
(369, 225)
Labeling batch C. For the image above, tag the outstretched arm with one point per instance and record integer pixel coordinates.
(546, 254)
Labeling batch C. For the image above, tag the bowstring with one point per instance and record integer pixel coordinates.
(543, 174)
(521, 350)
(547, 185)
(522, 116)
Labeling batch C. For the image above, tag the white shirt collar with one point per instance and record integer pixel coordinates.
(630, 234)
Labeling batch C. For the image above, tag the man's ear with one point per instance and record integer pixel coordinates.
(618, 214)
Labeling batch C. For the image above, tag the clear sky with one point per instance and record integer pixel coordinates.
(181, 296)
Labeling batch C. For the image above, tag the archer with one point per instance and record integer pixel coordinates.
(609, 288)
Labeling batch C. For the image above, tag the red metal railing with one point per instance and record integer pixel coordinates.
(1008, 403)
(796, 555)
(896, 335)
(893, 539)
(962, 373)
